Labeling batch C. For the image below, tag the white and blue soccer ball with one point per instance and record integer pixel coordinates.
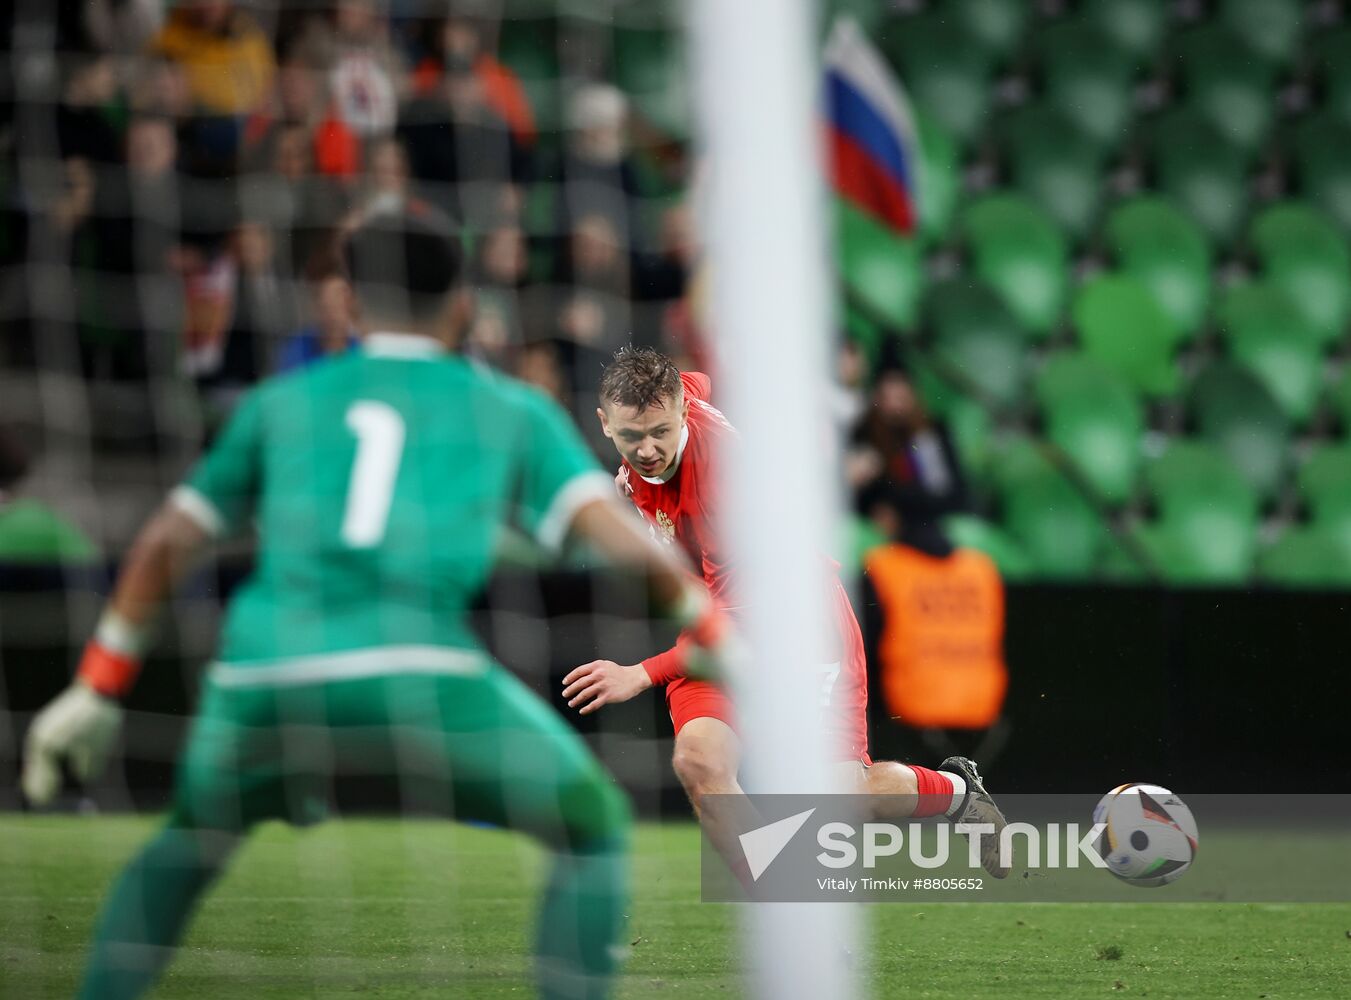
(1150, 835)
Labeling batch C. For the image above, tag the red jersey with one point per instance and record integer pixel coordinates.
(684, 511)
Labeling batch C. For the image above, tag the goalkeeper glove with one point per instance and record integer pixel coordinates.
(81, 725)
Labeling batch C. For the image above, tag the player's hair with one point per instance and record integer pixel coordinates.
(640, 377)
(402, 264)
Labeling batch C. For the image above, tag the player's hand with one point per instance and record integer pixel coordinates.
(603, 682)
(79, 726)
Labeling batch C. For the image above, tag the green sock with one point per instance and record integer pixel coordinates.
(149, 908)
(578, 945)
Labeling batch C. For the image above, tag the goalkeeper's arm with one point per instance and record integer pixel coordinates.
(82, 723)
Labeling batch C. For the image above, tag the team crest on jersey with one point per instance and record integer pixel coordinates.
(666, 526)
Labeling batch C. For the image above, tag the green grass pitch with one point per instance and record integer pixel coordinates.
(427, 909)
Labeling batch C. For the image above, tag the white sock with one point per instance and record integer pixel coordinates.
(958, 792)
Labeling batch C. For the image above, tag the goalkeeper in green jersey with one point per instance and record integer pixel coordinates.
(379, 483)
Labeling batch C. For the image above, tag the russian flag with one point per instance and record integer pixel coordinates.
(874, 146)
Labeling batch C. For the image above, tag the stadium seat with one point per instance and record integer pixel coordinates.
(1201, 171)
(1134, 26)
(946, 75)
(882, 271)
(1320, 143)
(1227, 84)
(1325, 483)
(1206, 531)
(967, 531)
(1235, 412)
(1303, 253)
(1120, 324)
(1092, 415)
(1019, 253)
(978, 346)
(941, 180)
(1270, 28)
(1306, 556)
(1087, 79)
(1052, 520)
(649, 66)
(529, 46)
(1154, 242)
(1268, 335)
(997, 26)
(1057, 165)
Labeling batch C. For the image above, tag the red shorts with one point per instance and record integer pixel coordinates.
(846, 686)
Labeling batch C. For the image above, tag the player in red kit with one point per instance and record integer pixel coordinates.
(668, 435)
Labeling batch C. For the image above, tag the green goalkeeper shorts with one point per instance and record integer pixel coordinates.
(478, 747)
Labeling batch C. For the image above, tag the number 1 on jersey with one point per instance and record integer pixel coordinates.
(379, 432)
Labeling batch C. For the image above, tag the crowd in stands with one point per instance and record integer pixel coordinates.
(186, 169)
(201, 156)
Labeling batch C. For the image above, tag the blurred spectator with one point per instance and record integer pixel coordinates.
(332, 329)
(457, 42)
(227, 57)
(238, 312)
(31, 531)
(501, 264)
(461, 150)
(663, 275)
(300, 100)
(386, 187)
(85, 118)
(367, 77)
(901, 465)
(128, 298)
(599, 175)
(847, 396)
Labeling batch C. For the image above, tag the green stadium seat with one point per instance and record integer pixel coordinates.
(650, 67)
(529, 45)
(1207, 526)
(969, 532)
(1227, 84)
(1325, 483)
(1303, 253)
(1235, 412)
(1056, 525)
(883, 273)
(1201, 171)
(1166, 251)
(997, 26)
(972, 430)
(1320, 144)
(1087, 79)
(1270, 28)
(861, 537)
(942, 180)
(1019, 253)
(1135, 27)
(1268, 335)
(1057, 165)
(1332, 54)
(947, 76)
(1092, 415)
(977, 345)
(1120, 324)
(1311, 556)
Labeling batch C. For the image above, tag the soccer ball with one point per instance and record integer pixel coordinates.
(1150, 835)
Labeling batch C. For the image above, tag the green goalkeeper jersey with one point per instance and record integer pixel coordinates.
(379, 483)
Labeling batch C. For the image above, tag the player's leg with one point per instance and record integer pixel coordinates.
(706, 760)
(154, 898)
(514, 762)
